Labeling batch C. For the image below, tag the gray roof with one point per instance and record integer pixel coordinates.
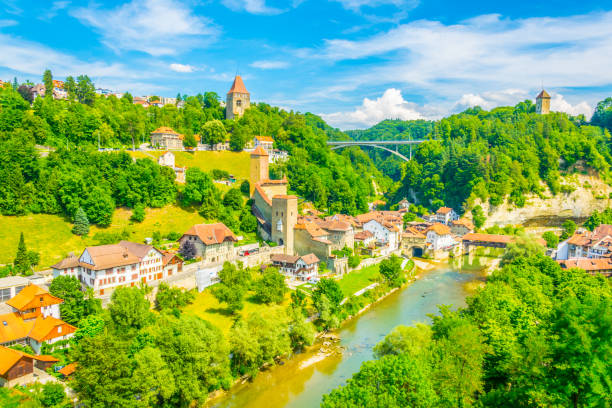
(11, 281)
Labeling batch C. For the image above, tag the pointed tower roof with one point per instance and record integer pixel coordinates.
(259, 151)
(543, 94)
(238, 86)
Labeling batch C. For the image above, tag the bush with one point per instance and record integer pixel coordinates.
(52, 394)
(552, 240)
(138, 215)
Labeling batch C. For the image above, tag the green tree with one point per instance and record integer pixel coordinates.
(171, 298)
(234, 282)
(478, 216)
(48, 82)
(213, 132)
(76, 306)
(85, 90)
(569, 227)
(24, 259)
(190, 140)
(552, 240)
(271, 287)
(129, 309)
(138, 214)
(52, 394)
(245, 188)
(233, 199)
(81, 223)
(391, 270)
(70, 87)
(153, 381)
(89, 326)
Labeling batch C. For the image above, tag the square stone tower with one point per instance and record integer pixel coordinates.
(259, 167)
(543, 103)
(238, 99)
(284, 218)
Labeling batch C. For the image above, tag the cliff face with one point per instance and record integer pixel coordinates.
(580, 203)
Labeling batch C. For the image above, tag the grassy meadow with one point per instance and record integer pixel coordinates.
(51, 235)
(236, 163)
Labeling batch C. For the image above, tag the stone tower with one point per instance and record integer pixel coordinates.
(543, 103)
(284, 218)
(259, 167)
(238, 99)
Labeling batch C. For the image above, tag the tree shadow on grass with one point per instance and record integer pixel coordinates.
(220, 310)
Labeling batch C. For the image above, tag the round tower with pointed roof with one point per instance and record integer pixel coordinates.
(543, 103)
(238, 99)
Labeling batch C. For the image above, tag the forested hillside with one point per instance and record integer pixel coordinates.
(506, 153)
(78, 176)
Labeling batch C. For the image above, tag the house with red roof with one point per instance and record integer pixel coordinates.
(302, 268)
(17, 368)
(34, 319)
(166, 138)
(214, 243)
(445, 215)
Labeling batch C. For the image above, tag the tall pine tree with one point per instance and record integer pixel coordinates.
(48, 81)
(81, 223)
(22, 260)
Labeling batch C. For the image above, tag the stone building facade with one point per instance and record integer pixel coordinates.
(238, 99)
(543, 103)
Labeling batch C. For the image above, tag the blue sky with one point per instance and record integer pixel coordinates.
(355, 62)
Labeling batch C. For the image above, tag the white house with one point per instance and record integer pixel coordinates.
(445, 215)
(11, 286)
(302, 268)
(439, 236)
(106, 267)
(214, 243)
(266, 143)
(385, 233)
(166, 159)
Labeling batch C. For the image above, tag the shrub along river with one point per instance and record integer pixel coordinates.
(304, 379)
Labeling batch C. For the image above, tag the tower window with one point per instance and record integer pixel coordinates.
(238, 102)
(279, 226)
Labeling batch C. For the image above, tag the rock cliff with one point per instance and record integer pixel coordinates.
(590, 194)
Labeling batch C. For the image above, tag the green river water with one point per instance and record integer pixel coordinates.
(301, 381)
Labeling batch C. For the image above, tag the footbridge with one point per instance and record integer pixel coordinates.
(379, 144)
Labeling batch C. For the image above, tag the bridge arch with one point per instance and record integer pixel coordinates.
(401, 156)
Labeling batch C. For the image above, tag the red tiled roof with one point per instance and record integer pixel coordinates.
(494, 238)
(310, 259)
(165, 130)
(264, 139)
(32, 297)
(259, 151)
(363, 235)
(211, 234)
(588, 264)
(68, 370)
(443, 210)
(262, 193)
(238, 86)
(543, 94)
(439, 229)
(465, 222)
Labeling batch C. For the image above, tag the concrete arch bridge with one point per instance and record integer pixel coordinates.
(378, 144)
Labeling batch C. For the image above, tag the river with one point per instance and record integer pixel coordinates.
(295, 386)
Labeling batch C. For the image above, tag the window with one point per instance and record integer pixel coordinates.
(5, 294)
(279, 226)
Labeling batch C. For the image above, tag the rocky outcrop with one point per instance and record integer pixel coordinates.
(590, 194)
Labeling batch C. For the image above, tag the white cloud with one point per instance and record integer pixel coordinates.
(181, 68)
(441, 61)
(492, 99)
(391, 105)
(30, 58)
(270, 64)
(54, 9)
(7, 23)
(156, 27)
(358, 4)
(252, 6)
(559, 104)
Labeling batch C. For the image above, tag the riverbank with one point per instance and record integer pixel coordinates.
(302, 379)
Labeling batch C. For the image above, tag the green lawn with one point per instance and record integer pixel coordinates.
(208, 308)
(236, 163)
(51, 235)
(356, 280)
